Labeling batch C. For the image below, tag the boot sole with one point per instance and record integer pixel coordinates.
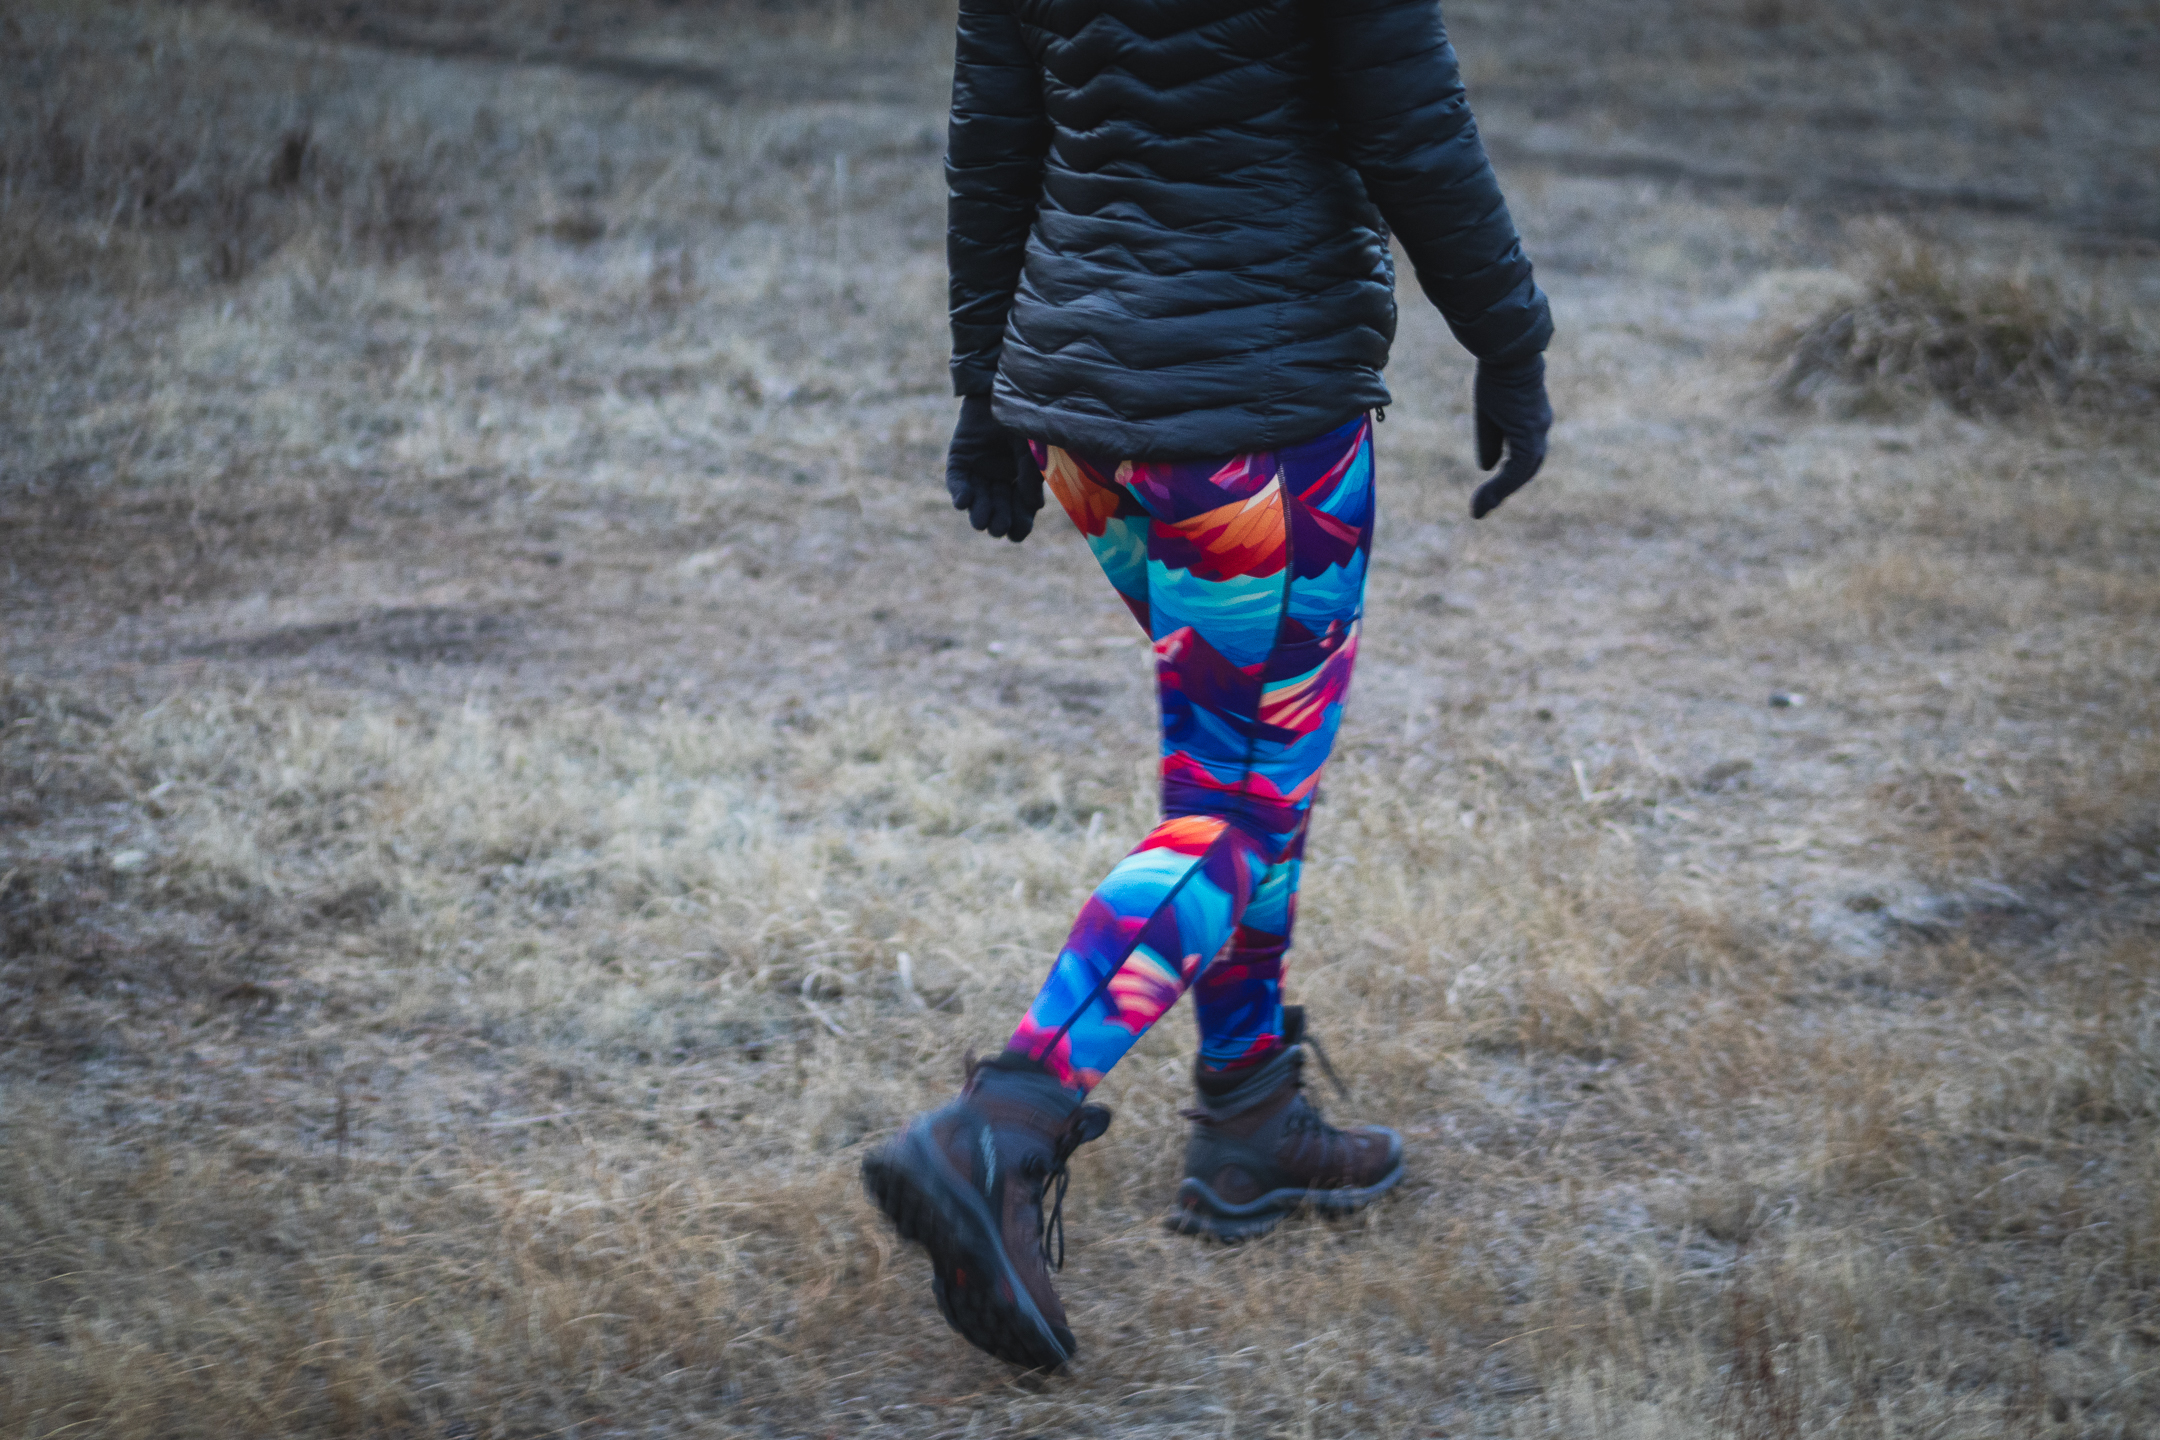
(978, 1291)
(1202, 1212)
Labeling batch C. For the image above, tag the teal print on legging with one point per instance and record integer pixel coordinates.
(1249, 575)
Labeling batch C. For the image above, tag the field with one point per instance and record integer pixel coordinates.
(511, 773)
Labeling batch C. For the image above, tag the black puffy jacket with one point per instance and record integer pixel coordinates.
(1165, 224)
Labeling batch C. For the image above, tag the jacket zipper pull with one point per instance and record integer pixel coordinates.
(1379, 412)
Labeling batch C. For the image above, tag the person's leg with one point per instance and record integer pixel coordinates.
(1140, 939)
(1237, 999)
(1329, 485)
(1246, 574)
(1259, 1149)
(1172, 902)
(1254, 571)
(1109, 517)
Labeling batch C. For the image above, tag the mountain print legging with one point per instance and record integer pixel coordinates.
(1249, 575)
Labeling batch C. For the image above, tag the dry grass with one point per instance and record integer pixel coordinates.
(1930, 325)
(506, 785)
(567, 1134)
(131, 160)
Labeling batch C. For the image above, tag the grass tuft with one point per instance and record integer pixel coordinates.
(1931, 324)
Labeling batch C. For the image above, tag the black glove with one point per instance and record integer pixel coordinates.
(1511, 407)
(990, 473)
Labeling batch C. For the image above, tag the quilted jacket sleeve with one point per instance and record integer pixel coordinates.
(993, 178)
(1397, 94)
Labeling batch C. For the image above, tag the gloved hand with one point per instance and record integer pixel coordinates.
(1511, 407)
(990, 473)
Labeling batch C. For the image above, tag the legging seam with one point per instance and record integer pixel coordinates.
(1252, 738)
(1199, 863)
(1282, 621)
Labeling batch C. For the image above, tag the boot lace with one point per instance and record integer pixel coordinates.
(1053, 1225)
(1306, 1117)
(1056, 1178)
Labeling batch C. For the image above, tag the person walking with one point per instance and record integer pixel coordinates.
(1172, 298)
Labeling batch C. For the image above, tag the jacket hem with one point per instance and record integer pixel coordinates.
(1202, 435)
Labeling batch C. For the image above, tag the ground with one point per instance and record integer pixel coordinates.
(513, 775)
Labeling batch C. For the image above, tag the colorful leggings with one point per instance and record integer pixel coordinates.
(1249, 574)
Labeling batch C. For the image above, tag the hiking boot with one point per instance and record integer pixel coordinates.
(967, 1181)
(1259, 1150)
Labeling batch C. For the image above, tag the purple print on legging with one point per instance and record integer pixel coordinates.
(1249, 574)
